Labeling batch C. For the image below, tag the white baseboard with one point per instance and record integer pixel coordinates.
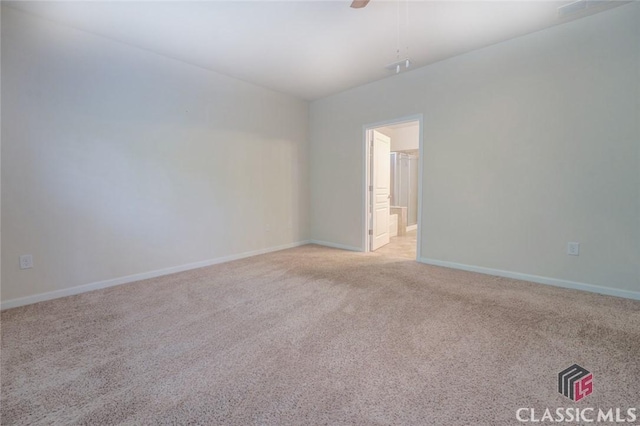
(21, 301)
(627, 294)
(334, 245)
(412, 227)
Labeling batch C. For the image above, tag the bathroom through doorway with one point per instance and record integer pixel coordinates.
(393, 171)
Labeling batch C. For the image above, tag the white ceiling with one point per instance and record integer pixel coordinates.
(303, 48)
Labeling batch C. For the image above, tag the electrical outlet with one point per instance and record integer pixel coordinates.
(26, 261)
(573, 249)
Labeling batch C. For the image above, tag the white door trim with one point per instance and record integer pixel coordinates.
(366, 179)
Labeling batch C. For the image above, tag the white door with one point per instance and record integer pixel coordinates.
(381, 189)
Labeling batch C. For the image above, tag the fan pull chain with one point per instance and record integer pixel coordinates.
(407, 33)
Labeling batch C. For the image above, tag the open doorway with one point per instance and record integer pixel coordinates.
(393, 176)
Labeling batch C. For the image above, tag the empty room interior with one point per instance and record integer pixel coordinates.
(382, 212)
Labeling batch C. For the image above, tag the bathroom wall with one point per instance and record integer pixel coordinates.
(406, 137)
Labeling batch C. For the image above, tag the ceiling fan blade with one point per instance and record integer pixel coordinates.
(358, 4)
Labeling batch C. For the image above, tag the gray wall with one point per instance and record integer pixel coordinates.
(117, 161)
(528, 144)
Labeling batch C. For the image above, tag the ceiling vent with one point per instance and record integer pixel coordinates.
(586, 7)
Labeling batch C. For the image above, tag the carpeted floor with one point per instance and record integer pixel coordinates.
(314, 335)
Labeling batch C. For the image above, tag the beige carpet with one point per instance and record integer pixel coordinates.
(314, 336)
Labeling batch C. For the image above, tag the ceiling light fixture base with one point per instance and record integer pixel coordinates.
(401, 65)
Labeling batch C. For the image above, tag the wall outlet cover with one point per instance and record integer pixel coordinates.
(26, 261)
(573, 249)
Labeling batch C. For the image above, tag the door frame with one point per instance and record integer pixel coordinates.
(367, 130)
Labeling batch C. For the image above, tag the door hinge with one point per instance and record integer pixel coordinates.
(370, 231)
(370, 187)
